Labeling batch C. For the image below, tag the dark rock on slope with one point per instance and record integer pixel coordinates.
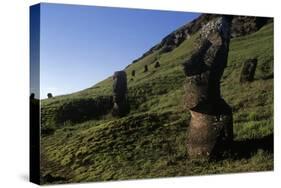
(244, 25)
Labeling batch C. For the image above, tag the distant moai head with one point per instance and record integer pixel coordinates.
(133, 72)
(248, 70)
(119, 83)
(145, 68)
(32, 96)
(157, 64)
(49, 95)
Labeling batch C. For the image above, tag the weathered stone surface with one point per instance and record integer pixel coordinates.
(248, 70)
(210, 129)
(121, 106)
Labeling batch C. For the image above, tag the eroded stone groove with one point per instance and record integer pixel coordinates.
(210, 130)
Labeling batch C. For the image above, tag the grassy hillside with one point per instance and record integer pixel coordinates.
(151, 140)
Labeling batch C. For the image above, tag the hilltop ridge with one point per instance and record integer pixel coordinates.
(241, 25)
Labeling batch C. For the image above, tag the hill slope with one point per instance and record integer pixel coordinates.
(150, 140)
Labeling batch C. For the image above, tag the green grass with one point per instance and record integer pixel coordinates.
(150, 141)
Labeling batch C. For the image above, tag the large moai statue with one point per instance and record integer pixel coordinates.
(121, 105)
(210, 130)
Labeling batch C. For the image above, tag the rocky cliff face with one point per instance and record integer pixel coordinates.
(241, 26)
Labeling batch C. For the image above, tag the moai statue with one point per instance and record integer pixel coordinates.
(157, 64)
(49, 95)
(133, 72)
(32, 96)
(121, 106)
(145, 68)
(210, 131)
(248, 70)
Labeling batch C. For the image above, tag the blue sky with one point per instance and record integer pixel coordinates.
(82, 45)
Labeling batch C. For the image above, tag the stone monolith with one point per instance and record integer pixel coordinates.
(121, 106)
(210, 130)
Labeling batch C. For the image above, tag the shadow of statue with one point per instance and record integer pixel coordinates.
(246, 148)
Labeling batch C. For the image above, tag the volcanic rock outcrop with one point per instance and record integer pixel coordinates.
(121, 105)
(248, 70)
(210, 131)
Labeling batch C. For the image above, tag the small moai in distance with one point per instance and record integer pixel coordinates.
(32, 96)
(121, 105)
(145, 68)
(49, 95)
(248, 70)
(210, 130)
(133, 72)
(157, 64)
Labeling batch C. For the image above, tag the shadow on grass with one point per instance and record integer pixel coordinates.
(246, 148)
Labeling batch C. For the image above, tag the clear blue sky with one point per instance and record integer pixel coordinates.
(82, 45)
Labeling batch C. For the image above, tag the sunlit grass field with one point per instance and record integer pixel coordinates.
(150, 141)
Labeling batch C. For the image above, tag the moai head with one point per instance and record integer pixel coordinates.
(119, 83)
(49, 95)
(157, 64)
(206, 65)
(133, 72)
(145, 68)
(248, 70)
(32, 96)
